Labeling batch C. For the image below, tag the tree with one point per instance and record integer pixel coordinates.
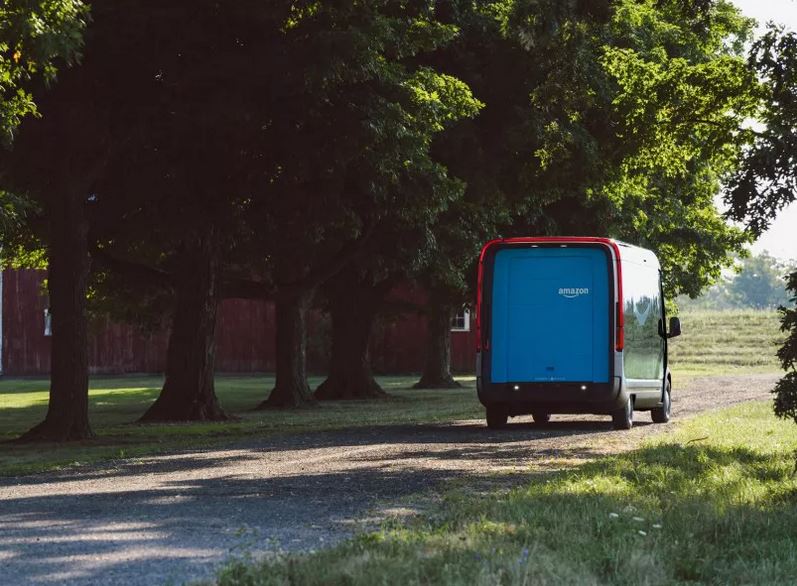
(41, 37)
(171, 207)
(262, 187)
(353, 298)
(786, 389)
(354, 116)
(91, 128)
(766, 180)
(758, 283)
(605, 119)
(684, 91)
(153, 167)
(36, 38)
(357, 295)
(517, 72)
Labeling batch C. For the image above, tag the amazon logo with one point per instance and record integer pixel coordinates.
(573, 292)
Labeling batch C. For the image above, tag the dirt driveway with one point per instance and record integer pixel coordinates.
(173, 518)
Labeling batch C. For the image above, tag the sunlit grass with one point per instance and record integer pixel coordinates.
(741, 340)
(719, 510)
(117, 402)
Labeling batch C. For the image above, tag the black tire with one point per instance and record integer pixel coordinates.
(541, 418)
(496, 417)
(623, 418)
(662, 414)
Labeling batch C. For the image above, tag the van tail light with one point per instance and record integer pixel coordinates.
(620, 337)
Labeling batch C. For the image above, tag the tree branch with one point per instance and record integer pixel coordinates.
(231, 287)
(321, 274)
(130, 268)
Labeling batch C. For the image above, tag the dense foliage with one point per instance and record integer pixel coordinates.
(36, 37)
(766, 179)
(786, 389)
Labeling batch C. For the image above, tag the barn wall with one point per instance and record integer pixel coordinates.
(25, 348)
(245, 338)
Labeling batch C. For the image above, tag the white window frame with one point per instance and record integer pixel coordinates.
(465, 313)
(48, 323)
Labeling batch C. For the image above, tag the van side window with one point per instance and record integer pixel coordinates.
(644, 347)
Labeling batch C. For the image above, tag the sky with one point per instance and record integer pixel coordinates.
(781, 239)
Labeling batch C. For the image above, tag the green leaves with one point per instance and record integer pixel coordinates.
(35, 36)
(786, 389)
(766, 181)
(441, 99)
(677, 109)
(681, 97)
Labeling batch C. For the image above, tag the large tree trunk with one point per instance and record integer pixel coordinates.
(353, 307)
(291, 388)
(67, 414)
(188, 392)
(437, 371)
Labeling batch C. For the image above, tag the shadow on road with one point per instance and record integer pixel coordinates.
(181, 514)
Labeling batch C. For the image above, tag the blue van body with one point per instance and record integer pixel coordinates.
(545, 326)
(571, 325)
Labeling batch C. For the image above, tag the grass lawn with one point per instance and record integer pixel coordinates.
(712, 503)
(726, 341)
(116, 403)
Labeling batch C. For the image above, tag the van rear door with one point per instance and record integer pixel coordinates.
(550, 314)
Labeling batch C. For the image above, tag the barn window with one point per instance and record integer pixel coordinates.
(48, 323)
(461, 320)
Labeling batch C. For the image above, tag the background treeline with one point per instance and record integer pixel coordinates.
(162, 156)
(756, 282)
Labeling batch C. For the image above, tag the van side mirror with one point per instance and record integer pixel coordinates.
(675, 328)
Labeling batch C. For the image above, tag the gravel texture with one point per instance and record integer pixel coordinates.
(168, 519)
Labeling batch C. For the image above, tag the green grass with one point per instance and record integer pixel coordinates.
(721, 510)
(116, 402)
(735, 341)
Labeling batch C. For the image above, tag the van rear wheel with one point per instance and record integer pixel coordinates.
(496, 417)
(623, 418)
(662, 414)
(541, 417)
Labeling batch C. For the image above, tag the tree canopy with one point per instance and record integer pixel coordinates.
(36, 38)
(758, 282)
(765, 180)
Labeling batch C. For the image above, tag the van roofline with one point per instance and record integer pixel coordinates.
(614, 243)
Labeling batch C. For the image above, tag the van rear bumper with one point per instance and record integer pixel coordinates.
(521, 398)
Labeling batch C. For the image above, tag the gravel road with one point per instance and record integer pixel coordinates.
(167, 519)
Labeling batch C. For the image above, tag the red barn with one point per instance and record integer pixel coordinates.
(244, 336)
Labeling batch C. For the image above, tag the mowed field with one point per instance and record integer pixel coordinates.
(722, 341)
(712, 343)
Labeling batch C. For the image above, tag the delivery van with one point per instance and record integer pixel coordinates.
(572, 325)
